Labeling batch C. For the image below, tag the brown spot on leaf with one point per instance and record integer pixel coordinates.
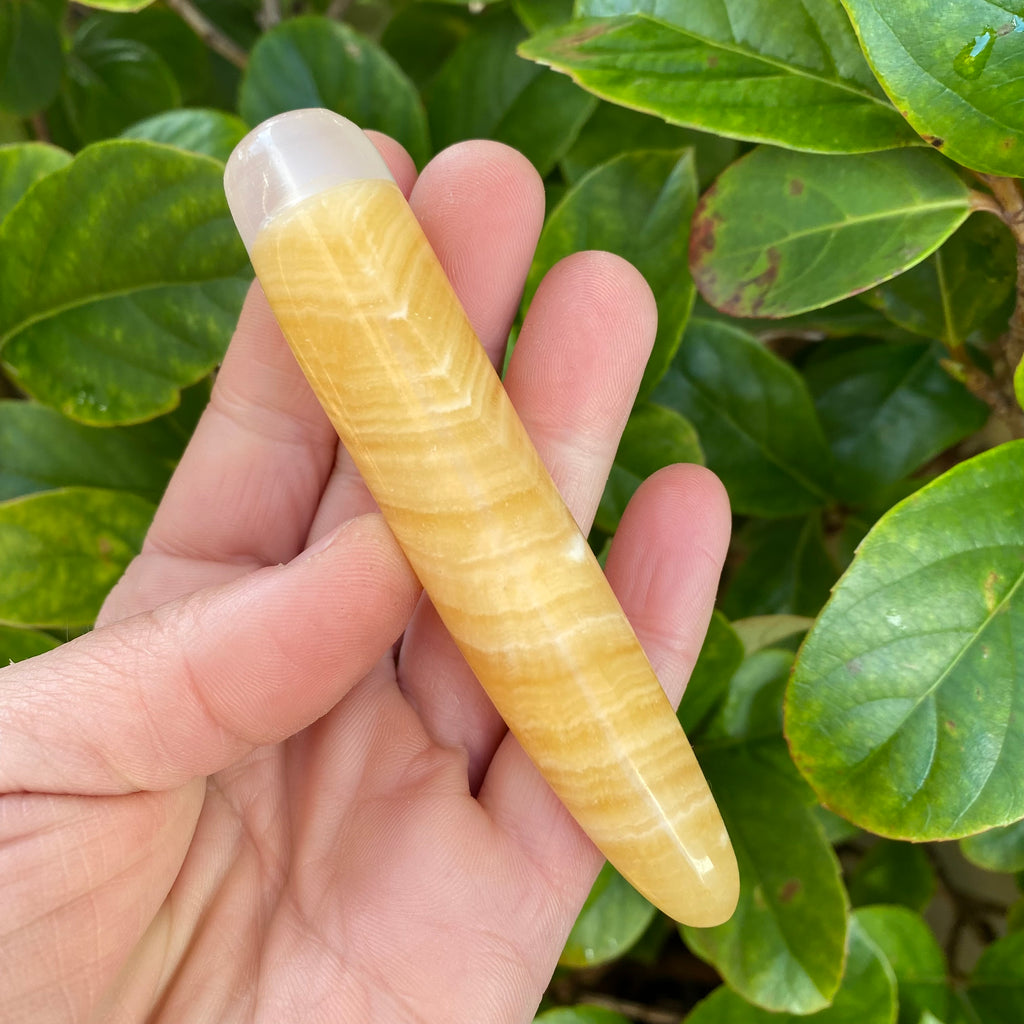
(950, 725)
(104, 547)
(991, 597)
(712, 61)
(789, 890)
(934, 140)
(796, 187)
(702, 230)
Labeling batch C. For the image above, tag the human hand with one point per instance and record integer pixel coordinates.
(268, 786)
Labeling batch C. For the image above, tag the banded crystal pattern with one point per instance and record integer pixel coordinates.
(387, 348)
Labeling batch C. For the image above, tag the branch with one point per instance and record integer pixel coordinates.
(209, 33)
(1007, 203)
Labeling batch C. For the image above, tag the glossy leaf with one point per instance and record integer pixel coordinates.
(211, 132)
(781, 82)
(536, 14)
(998, 849)
(31, 57)
(612, 130)
(902, 709)
(654, 437)
(61, 552)
(40, 449)
(167, 35)
(112, 83)
(116, 5)
(121, 279)
(786, 569)
(996, 987)
(781, 232)
(421, 38)
(894, 873)
(720, 656)
(486, 90)
(866, 996)
(909, 945)
(313, 61)
(964, 287)
(580, 1015)
(887, 410)
(19, 644)
(639, 206)
(1018, 383)
(760, 631)
(754, 417)
(613, 918)
(954, 69)
(22, 165)
(783, 948)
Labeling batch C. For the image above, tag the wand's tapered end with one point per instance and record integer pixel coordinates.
(291, 157)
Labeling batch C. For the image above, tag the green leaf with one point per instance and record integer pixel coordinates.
(783, 948)
(639, 206)
(19, 644)
(902, 708)
(867, 994)
(960, 289)
(121, 280)
(199, 131)
(116, 5)
(786, 569)
(317, 62)
(954, 69)
(720, 656)
(22, 165)
(485, 90)
(112, 83)
(421, 37)
(654, 437)
(760, 631)
(754, 417)
(163, 32)
(887, 410)
(537, 14)
(61, 552)
(31, 58)
(1018, 383)
(996, 988)
(781, 82)
(612, 130)
(610, 923)
(753, 704)
(781, 232)
(895, 873)
(998, 849)
(40, 449)
(908, 944)
(580, 1015)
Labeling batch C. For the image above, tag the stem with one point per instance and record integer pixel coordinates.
(635, 1011)
(209, 33)
(40, 127)
(270, 14)
(1007, 203)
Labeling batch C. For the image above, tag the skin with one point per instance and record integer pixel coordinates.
(267, 787)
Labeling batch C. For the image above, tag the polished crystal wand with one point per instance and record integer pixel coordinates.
(387, 348)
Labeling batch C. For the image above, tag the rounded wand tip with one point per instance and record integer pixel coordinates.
(291, 157)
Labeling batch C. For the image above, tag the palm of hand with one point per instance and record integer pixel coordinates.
(398, 858)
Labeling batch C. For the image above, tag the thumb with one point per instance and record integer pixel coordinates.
(191, 687)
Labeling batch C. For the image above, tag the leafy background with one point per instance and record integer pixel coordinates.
(824, 197)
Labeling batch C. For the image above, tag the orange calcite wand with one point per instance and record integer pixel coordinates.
(389, 352)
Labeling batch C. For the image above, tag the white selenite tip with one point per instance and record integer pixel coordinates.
(291, 157)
